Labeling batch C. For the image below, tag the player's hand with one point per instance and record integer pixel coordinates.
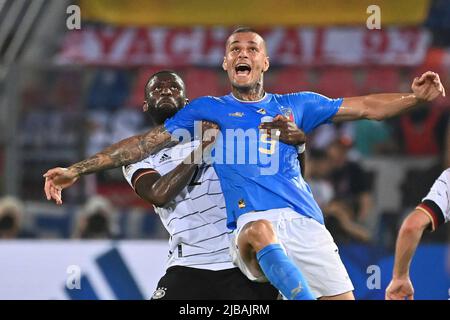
(288, 132)
(428, 86)
(57, 179)
(400, 289)
(209, 131)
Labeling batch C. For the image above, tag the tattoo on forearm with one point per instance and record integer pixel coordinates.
(127, 151)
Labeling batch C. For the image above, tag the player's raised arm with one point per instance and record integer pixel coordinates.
(427, 87)
(124, 152)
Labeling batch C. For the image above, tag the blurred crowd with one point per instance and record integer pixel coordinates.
(105, 207)
(67, 114)
(63, 127)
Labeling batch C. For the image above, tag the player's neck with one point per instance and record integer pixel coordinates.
(248, 94)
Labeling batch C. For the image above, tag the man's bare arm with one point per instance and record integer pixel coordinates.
(375, 106)
(125, 152)
(408, 239)
(384, 105)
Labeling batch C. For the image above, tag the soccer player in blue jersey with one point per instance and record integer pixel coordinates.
(278, 226)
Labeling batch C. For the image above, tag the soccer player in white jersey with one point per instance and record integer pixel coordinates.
(189, 201)
(433, 211)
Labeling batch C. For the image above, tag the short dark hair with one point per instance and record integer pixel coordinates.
(243, 29)
(162, 72)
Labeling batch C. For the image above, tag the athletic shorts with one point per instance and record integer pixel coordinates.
(309, 245)
(185, 283)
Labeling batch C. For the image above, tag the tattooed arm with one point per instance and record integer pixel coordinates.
(127, 151)
(124, 152)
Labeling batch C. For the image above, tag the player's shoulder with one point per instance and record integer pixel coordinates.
(206, 101)
(445, 175)
(146, 163)
(299, 95)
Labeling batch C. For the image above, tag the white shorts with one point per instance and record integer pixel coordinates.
(310, 246)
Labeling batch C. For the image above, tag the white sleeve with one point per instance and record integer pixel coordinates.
(439, 208)
(144, 166)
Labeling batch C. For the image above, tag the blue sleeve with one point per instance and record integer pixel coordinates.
(312, 109)
(197, 110)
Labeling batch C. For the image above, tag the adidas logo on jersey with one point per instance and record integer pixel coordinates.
(164, 157)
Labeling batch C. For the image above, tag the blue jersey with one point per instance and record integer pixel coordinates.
(255, 172)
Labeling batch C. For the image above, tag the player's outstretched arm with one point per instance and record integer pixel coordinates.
(125, 152)
(427, 87)
(408, 239)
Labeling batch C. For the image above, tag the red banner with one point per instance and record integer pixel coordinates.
(176, 47)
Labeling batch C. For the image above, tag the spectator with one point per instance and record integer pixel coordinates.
(317, 174)
(323, 136)
(350, 181)
(338, 216)
(421, 130)
(374, 138)
(108, 90)
(96, 220)
(339, 219)
(418, 181)
(438, 21)
(11, 214)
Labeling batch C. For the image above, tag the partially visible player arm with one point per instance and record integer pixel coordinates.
(408, 239)
(289, 134)
(384, 105)
(125, 152)
(302, 159)
(159, 190)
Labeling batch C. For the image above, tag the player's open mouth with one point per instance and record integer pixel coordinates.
(242, 69)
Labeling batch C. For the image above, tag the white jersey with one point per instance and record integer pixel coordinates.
(437, 202)
(196, 218)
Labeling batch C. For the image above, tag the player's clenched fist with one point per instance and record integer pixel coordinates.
(428, 86)
(400, 289)
(210, 131)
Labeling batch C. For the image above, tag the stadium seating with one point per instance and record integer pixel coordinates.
(337, 82)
